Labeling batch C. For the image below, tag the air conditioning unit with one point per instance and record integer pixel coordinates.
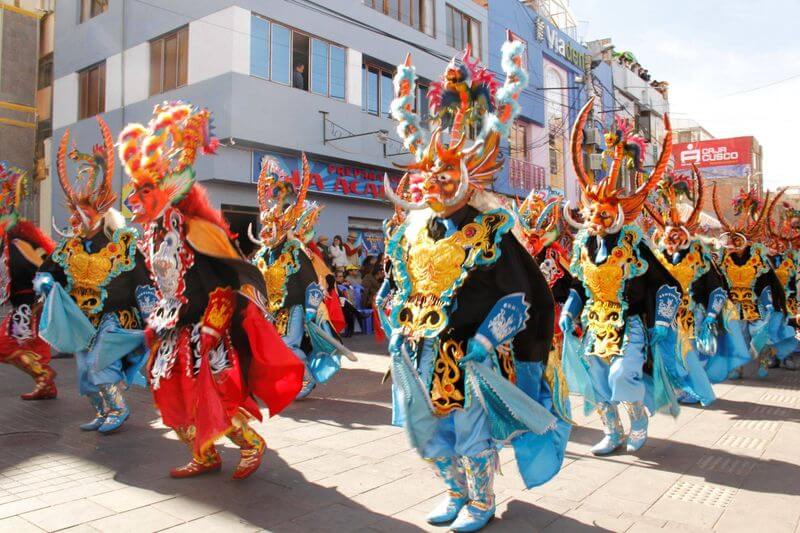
(592, 136)
(595, 162)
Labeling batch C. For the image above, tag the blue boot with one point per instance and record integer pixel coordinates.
(309, 383)
(100, 412)
(614, 434)
(480, 482)
(118, 411)
(452, 473)
(639, 421)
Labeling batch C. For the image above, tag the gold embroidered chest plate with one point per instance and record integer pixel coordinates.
(276, 275)
(686, 271)
(435, 269)
(742, 281)
(89, 273)
(605, 284)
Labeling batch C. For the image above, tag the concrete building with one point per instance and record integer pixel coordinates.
(538, 146)
(238, 59)
(25, 80)
(732, 164)
(638, 98)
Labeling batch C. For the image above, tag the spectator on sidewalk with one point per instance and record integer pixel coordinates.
(338, 254)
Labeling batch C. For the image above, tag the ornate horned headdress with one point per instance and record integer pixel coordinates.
(539, 215)
(783, 235)
(92, 194)
(159, 157)
(676, 231)
(283, 214)
(13, 183)
(605, 207)
(466, 99)
(751, 211)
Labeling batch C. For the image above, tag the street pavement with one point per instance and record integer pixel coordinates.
(335, 464)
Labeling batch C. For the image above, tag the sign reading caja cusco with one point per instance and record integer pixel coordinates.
(714, 152)
(353, 181)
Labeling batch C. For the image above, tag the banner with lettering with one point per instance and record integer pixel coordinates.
(353, 181)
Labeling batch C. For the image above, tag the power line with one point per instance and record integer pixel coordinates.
(771, 84)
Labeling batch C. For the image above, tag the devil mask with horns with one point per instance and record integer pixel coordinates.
(159, 157)
(751, 212)
(444, 171)
(92, 194)
(605, 208)
(784, 234)
(282, 212)
(675, 233)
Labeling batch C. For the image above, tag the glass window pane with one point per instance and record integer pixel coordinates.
(183, 56)
(338, 68)
(415, 20)
(101, 87)
(319, 67)
(422, 102)
(450, 34)
(364, 91)
(259, 47)
(372, 91)
(280, 53)
(426, 16)
(405, 12)
(156, 66)
(83, 94)
(94, 96)
(387, 93)
(475, 37)
(170, 62)
(394, 9)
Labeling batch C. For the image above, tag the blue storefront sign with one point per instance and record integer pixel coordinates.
(341, 179)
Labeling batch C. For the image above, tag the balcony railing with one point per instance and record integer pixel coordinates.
(524, 175)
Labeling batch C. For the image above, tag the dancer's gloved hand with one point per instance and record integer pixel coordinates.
(395, 342)
(566, 322)
(476, 351)
(43, 283)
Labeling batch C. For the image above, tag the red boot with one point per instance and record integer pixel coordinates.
(210, 461)
(42, 373)
(43, 391)
(252, 446)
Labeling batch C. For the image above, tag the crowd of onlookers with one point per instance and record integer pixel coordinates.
(355, 279)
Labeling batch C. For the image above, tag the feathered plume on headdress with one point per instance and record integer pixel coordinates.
(163, 152)
(466, 97)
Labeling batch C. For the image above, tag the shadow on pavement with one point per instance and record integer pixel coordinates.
(713, 465)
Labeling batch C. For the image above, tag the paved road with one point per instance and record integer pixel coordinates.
(335, 464)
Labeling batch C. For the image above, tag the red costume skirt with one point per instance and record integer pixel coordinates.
(207, 392)
(12, 346)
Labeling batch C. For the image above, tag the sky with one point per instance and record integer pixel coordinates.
(717, 56)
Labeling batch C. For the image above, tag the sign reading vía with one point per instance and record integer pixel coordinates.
(715, 152)
(558, 44)
(331, 178)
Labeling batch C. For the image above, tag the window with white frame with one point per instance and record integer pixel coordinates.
(461, 30)
(291, 57)
(415, 13)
